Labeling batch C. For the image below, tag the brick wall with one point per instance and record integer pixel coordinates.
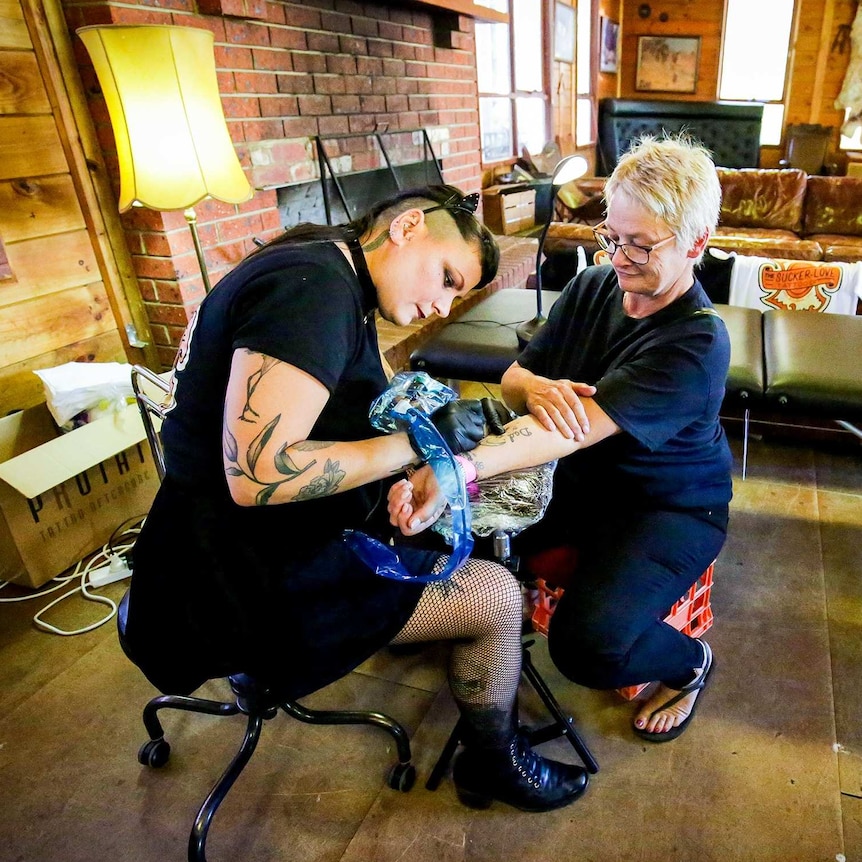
(288, 72)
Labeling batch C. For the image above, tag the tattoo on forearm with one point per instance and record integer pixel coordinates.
(323, 486)
(249, 414)
(313, 445)
(282, 461)
(511, 435)
(407, 467)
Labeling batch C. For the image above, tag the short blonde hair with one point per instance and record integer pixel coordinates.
(673, 177)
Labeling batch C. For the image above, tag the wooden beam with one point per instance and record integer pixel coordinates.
(468, 7)
(53, 46)
(822, 59)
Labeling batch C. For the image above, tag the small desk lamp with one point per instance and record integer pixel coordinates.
(567, 169)
(173, 146)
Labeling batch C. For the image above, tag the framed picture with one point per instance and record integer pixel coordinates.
(608, 58)
(667, 64)
(564, 33)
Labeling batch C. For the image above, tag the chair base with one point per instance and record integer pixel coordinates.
(561, 725)
(258, 705)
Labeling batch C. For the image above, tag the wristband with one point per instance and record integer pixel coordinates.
(468, 468)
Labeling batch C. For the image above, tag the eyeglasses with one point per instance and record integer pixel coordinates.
(636, 254)
(457, 203)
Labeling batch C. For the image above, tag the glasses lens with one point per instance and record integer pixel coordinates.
(636, 254)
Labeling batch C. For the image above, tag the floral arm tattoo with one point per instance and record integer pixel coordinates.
(320, 486)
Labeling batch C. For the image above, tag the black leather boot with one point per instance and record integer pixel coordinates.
(517, 776)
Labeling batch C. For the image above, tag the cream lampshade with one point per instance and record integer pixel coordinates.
(173, 146)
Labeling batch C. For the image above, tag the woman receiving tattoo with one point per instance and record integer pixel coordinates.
(643, 484)
(270, 456)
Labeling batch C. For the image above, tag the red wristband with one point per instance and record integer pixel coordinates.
(468, 468)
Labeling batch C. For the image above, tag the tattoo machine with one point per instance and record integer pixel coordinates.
(406, 405)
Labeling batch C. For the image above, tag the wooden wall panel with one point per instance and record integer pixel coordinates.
(13, 27)
(30, 146)
(46, 324)
(56, 306)
(21, 87)
(49, 264)
(681, 19)
(20, 385)
(38, 206)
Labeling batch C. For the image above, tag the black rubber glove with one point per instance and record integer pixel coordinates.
(462, 424)
(497, 414)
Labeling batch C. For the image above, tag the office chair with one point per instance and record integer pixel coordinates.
(253, 698)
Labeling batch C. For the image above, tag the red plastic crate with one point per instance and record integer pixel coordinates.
(692, 614)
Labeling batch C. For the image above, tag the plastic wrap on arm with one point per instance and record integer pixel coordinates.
(510, 501)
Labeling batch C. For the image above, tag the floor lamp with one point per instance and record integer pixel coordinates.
(173, 147)
(567, 169)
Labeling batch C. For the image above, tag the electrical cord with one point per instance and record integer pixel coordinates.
(110, 558)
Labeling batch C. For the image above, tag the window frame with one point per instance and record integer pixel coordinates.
(788, 73)
(514, 94)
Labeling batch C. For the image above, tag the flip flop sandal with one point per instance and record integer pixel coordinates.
(697, 684)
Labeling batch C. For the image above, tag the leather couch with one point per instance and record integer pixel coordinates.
(730, 130)
(788, 214)
(777, 213)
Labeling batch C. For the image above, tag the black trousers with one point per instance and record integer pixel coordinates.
(608, 630)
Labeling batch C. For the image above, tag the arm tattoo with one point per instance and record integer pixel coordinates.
(323, 486)
(283, 462)
(249, 414)
(320, 486)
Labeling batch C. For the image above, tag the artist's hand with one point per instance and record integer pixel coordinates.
(414, 504)
(461, 423)
(497, 416)
(557, 404)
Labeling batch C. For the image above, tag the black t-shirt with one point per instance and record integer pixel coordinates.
(268, 590)
(661, 379)
(301, 304)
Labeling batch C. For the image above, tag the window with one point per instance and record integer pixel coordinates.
(513, 97)
(584, 76)
(753, 68)
(854, 142)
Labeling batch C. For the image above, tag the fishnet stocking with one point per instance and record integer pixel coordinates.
(479, 610)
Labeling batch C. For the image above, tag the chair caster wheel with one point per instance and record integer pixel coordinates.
(402, 776)
(154, 753)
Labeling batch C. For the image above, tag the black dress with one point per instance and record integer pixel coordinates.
(272, 590)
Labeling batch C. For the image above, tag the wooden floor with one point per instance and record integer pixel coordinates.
(770, 770)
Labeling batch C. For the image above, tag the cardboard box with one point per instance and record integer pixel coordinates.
(509, 208)
(63, 495)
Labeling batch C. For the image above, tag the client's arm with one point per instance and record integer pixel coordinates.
(555, 403)
(417, 502)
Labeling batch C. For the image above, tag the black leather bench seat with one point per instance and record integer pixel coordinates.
(813, 363)
(482, 343)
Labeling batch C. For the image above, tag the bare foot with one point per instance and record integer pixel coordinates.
(653, 719)
(669, 708)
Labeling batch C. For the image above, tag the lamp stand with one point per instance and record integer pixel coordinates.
(526, 330)
(567, 169)
(192, 220)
